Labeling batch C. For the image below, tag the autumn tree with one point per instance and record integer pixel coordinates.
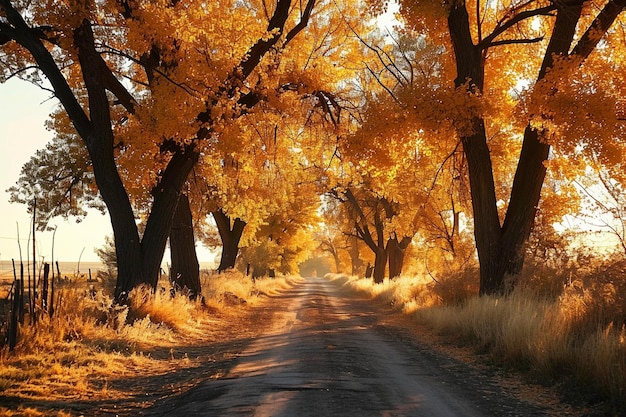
(60, 179)
(484, 41)
(371, 218)
(167, 113)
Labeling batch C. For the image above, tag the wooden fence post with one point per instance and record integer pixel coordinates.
(44, 291)
(15, 314)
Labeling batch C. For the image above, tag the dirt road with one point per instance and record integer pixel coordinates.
(327, 355)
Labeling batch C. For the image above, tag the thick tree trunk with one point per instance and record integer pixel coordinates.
(166, 195)
(230, 236)
(470, 75)
(126, 236)
(380, 263)
(501, 249)
(355, 258)
(98, 137)
(531, 170)
(396, 250)
(185, 272)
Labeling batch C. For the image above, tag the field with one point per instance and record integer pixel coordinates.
(70, 271)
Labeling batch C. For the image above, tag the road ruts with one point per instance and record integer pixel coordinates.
(325, 355)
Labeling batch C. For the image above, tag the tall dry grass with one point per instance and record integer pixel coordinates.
(576, 335)
(89, 341)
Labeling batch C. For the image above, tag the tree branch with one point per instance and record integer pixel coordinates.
(516, 41)
(499, 30)
(304, 21)
(22, 34)
(598, 28)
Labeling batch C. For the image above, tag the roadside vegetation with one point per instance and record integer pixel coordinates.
(563, 328)
(90, 351)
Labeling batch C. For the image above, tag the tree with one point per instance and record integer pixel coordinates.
(75, 48)
(60, 178)
(371, 219)
(185, 271)
(230, 231)
(501, 245)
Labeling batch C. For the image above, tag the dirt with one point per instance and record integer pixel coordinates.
(314, 350)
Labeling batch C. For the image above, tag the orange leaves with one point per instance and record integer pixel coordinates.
(576, 108)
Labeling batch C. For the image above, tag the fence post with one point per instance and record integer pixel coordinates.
(44, 291)
(15, 313)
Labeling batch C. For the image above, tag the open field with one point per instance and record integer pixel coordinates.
(69, 271)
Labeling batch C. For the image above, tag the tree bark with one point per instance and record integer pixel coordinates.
(185, 272)
(501, 248)
(230, 236)
(396, 250)
(380, 264)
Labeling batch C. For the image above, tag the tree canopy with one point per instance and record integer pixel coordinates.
(466, 117)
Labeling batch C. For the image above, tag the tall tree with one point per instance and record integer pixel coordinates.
(185, 270)
(476, 32)
(68, 45)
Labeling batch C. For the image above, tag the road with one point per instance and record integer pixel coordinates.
(326, 354)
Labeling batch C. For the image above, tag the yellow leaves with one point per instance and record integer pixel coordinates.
(576, 109)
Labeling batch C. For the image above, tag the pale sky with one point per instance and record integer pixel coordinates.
(25, 108)
(23, 111)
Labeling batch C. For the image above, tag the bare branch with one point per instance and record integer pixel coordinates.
(516, 41)
(304, 21)
(505, 25)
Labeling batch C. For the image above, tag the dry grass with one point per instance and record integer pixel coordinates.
(89, 349)
(576, 337)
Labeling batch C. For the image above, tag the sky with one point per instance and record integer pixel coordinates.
(23, 112)
(25, 109)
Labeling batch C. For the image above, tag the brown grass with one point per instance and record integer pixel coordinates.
(575, 337)
(89, 349)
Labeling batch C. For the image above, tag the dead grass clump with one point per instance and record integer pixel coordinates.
(404, 293)
(458, 287)
(541, 336)
(175, 311)
(233, 287)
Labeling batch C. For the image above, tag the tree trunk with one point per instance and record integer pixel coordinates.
(230, 236)
(166, 195)
(98, 137)
(470, 75)
(531, 170)
(380, 263)
(501, 249)
(396, 250)
(355, 258)
(185, 272)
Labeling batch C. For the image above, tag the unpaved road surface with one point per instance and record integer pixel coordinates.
(326, 354)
